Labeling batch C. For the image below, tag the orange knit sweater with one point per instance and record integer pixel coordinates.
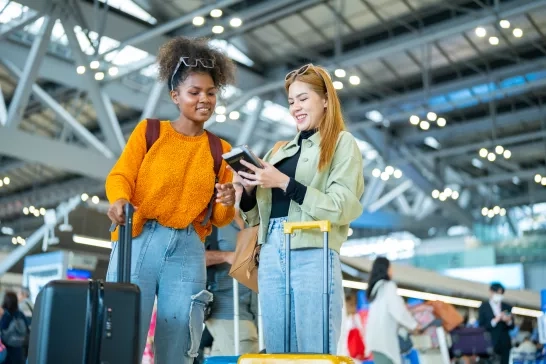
(172, 183)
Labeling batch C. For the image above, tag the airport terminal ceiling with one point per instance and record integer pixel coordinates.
(445, 98)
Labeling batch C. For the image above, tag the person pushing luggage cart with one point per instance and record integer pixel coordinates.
(314, 177)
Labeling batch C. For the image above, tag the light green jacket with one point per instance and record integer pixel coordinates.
(332, 194)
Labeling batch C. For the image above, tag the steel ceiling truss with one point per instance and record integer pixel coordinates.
(84, 161)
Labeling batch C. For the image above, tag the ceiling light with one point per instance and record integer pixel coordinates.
(198, 21)
(485, 211)
(80, 70)
(25, 211)
(78, 239)
(354, 80)
(538, 178)
(455, 195)
(220, 109)
(84, 197)
(217, 29)
(216, 13)
(99, 76)
(491, 157)
(234, 115)
(236, 22)
(483, 152)
(518, 33)
(442, 197)
(507, 154)
(493, 40)
(432, 142)
(376, 172)
(384, 176)
(95, 200)
(432, 116)
(389, 170)
(397, 173)
(496, 209)
(424, 125)
(490, 214)
(435, 194)
(504, 24)
(502, 212)
(499, 149)
(340, 72)
(6, 180)
(441, 122)
(448, 191)
(481, 32)
(543, 181)
(113, 71)
(42, 211)
(94, 65)
(1, 183)
(220, 118)
(414, 119)
(338, 85)
(375, 116)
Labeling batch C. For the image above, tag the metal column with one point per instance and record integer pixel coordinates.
(37, 52)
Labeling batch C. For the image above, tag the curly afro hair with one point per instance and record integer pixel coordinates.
(223, 72)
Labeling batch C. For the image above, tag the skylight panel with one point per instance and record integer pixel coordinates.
(232, 51)
(129, 7)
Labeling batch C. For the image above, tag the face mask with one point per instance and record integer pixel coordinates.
(497, 298)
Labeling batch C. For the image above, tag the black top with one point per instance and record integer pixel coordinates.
(295, 190)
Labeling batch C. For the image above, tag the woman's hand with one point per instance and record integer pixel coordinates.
(225, 194)
(266, 177)
(240, 180)
(116, 211)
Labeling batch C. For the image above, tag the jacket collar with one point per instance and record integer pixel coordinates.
(315, 138)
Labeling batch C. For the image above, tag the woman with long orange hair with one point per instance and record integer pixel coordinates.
(315, 176)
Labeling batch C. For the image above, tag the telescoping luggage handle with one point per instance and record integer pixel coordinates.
(289, 228)
(124, 245)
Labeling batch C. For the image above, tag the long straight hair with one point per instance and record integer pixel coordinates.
(332, 122)
(380, 271)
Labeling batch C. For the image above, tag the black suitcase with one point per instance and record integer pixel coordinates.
(93, 322)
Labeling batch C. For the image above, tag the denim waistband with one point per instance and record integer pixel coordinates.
(276, 223)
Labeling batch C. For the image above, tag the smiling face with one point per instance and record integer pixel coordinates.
(306, 106)
(196, 97)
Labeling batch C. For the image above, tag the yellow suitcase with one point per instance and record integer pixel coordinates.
(301, 358)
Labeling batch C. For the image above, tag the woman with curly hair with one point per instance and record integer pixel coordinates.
(171, 184)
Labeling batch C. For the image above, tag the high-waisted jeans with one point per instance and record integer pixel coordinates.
(306, 267)
(169, 263)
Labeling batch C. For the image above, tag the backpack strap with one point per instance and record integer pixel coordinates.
(216, 150)
(278, 145)
(152, 132)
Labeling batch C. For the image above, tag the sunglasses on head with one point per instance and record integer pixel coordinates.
(191, 62)
(300, 71)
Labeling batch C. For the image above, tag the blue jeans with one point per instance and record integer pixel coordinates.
(306, 267)
(169, 263)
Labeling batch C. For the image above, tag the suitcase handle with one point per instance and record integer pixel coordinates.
(124, 245)
(323, 225)
(289, 228)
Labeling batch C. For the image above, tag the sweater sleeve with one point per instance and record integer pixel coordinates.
(223, 215)
(120, 183)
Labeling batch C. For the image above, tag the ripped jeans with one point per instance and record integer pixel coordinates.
(169, 263)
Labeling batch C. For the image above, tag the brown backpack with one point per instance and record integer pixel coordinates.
(152, 134)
